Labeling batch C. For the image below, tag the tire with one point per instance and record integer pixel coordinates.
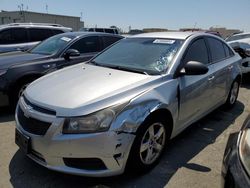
(233, 94)
(17, 92)
(148, 146)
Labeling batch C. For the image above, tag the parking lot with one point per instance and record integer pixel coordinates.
(193, 159)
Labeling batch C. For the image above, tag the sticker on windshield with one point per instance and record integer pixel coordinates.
(66, 39)
(163, 41)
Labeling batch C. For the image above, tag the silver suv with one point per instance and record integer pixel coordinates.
(22, 36)
(122, 107)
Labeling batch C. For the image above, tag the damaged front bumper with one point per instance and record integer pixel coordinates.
(91, 154)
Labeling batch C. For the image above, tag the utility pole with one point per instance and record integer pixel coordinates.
(47, 7)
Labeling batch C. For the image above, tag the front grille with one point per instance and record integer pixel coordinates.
(85, 163)
(38, 108)
(32, 125)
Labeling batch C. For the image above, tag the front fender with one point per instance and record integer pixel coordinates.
(134, 114)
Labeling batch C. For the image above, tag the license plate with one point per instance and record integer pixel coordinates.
(22, 141)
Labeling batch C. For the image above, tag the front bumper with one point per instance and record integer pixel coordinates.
(51, 149)
(233, 172)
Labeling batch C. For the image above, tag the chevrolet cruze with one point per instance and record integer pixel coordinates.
(120, 109)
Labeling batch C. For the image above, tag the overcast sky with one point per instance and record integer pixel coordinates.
(170, 14)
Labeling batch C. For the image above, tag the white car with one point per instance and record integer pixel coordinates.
(241, 44)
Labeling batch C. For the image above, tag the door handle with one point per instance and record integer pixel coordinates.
(210, 78)
(230, 67)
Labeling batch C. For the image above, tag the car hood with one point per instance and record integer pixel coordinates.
(14, 58)
(84, 88)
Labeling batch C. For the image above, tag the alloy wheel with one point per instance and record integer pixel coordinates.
(152, 143)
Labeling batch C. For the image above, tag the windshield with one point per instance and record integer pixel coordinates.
(238, 37)
(52, 45)
(146, 55)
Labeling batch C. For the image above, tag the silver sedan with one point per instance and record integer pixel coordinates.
(118, 111)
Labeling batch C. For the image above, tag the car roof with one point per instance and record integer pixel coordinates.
(35, 25)
(169, 35)
(83, 33)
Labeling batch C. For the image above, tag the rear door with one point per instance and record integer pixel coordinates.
(222, 66)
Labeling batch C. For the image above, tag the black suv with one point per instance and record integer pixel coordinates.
(18, 69)
(22, 36)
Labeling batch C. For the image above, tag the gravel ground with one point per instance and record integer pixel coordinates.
(193, 159)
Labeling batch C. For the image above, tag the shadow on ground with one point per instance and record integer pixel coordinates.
(6, 114)
(246, 81)
(25, 173)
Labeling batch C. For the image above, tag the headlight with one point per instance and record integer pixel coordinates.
(2, 72)
(96, 122)
(245, 149)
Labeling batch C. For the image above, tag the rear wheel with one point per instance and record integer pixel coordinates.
(233, 94)
(148, 145)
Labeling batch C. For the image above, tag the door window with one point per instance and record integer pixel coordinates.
(87, 45)
(39, 34)
(217, 49)
(197, 52)
(13, 36)
(107, 41)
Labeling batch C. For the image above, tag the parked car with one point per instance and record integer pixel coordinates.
(241, 44)
(23, 36)
(102, 30)
(119, 110)
(18, 69)
(236, 161)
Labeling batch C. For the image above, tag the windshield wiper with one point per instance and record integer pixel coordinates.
(125, 69)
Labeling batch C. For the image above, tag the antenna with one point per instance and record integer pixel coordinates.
(47, 7)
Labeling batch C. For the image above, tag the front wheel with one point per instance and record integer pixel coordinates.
(148, 146)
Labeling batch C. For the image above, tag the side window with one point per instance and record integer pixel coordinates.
(99, 30)
(228, 51)
(13, 36)
(39, 34)
(56, 31)
(5, 37)
(19, 35)
(109, 31)
(87, 45)
(107, 41)
(197, 52)
(217, 49)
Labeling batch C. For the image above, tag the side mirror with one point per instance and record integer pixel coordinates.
(71, 53)
(194, 68)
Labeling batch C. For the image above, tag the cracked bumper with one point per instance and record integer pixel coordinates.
(51, 149)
